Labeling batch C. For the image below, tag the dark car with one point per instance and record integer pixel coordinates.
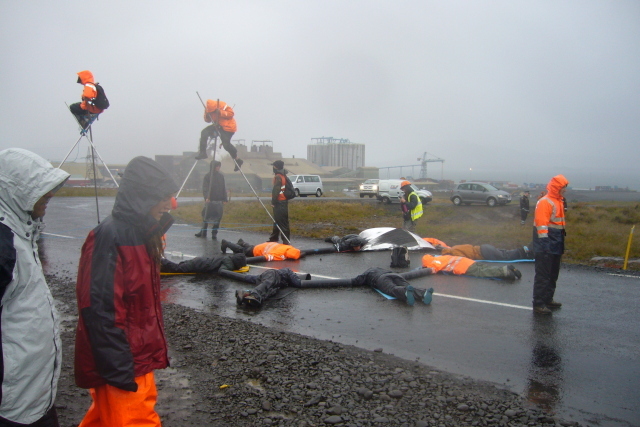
(479, 192)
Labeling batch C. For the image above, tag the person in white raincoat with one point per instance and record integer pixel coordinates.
(31, 347)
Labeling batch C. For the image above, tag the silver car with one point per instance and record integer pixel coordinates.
(369, 188)
(479, 192)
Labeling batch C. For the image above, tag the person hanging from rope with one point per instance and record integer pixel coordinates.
(272, 251)
(223, 124)
(215, 196)
(91, 103)
(460, 265)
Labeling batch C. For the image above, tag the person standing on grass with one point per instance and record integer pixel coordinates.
(411, 206)
(524, 207)
(548, 244)
(215, 196)
(120, 337)
(30, 351)
(280, 205)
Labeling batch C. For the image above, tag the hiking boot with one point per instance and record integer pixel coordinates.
(214, 237)
(554, 304)
(201, 155)
(427, 296)
(541, 309)
(201, 233)
(239, 163)
(515, 271)
(251, 300)
(241, 242)
(223, 246)
(239, 296)
(408, 292)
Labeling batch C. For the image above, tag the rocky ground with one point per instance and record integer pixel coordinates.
(226, 372)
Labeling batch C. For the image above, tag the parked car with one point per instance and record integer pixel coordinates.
(479, 192)
(305, 185)
(389, 191)
(369, 188)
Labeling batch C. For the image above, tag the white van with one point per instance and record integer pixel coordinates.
(305, 185)
(389, 191)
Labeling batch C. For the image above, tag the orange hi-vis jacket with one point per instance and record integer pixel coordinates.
(274, 251)
(435, 242)
(283, 184)
(549, 221)
(89, 92)
(447, 263)
(223, 116)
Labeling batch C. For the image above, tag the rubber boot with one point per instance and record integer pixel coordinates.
(203, 231)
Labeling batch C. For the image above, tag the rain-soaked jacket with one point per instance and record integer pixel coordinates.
(548, 224)
(224, 115)
(447, 263)
(274, 251)
(89, 92)
(120, 333)
(31, 348)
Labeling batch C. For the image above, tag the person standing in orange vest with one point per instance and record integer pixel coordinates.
(221, 115)
(548, 244)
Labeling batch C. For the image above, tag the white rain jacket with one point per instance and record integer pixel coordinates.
(31, 347)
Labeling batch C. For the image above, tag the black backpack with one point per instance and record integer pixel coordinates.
(400, 257)
(100, 100)
(289, 192)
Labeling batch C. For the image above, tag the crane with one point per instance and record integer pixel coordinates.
(423, 163)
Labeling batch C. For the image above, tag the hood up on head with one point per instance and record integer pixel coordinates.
(555, 185)
(85, 77)
(144, 184)
(292, 253)
(24, 178)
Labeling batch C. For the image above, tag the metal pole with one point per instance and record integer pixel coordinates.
(247, 180)
(95, 180)
(626, 257)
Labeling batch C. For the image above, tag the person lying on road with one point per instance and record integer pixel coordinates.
(461, 265)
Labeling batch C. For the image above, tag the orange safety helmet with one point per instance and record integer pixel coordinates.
(403, 183)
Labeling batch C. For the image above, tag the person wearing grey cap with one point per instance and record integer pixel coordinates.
(280, 204)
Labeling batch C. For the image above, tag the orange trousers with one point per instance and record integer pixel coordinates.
(113, 407)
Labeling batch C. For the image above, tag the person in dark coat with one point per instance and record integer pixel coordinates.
(120, 337)
(392, 284)
(215, 196)
(280, 205)
(524, 207)
(205, 265)
(350, 242)
(268, 284)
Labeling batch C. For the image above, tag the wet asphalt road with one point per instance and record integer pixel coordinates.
(583, 362)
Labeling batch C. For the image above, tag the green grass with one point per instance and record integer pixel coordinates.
(593, 229)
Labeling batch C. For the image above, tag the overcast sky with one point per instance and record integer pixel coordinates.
(502, 90)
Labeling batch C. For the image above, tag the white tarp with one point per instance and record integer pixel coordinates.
(385, 238)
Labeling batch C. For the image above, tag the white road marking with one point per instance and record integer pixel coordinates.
(624, 275)
(58, 235)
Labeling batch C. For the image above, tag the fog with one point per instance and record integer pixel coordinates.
(502, 90)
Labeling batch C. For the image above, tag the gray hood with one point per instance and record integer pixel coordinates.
(24, 178)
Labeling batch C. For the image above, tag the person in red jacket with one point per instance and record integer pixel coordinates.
(120, 338)
(461, 265)
(548, 244)
(221, 115)
(82, 110)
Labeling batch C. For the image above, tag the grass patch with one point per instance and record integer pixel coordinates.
(592, 230)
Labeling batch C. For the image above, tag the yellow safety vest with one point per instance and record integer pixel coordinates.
(417, 211)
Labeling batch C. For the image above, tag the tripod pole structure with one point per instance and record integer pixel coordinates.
(69, 153)
(244, 176)
(95, 178)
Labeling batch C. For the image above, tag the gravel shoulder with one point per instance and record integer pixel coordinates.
(227, 372)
